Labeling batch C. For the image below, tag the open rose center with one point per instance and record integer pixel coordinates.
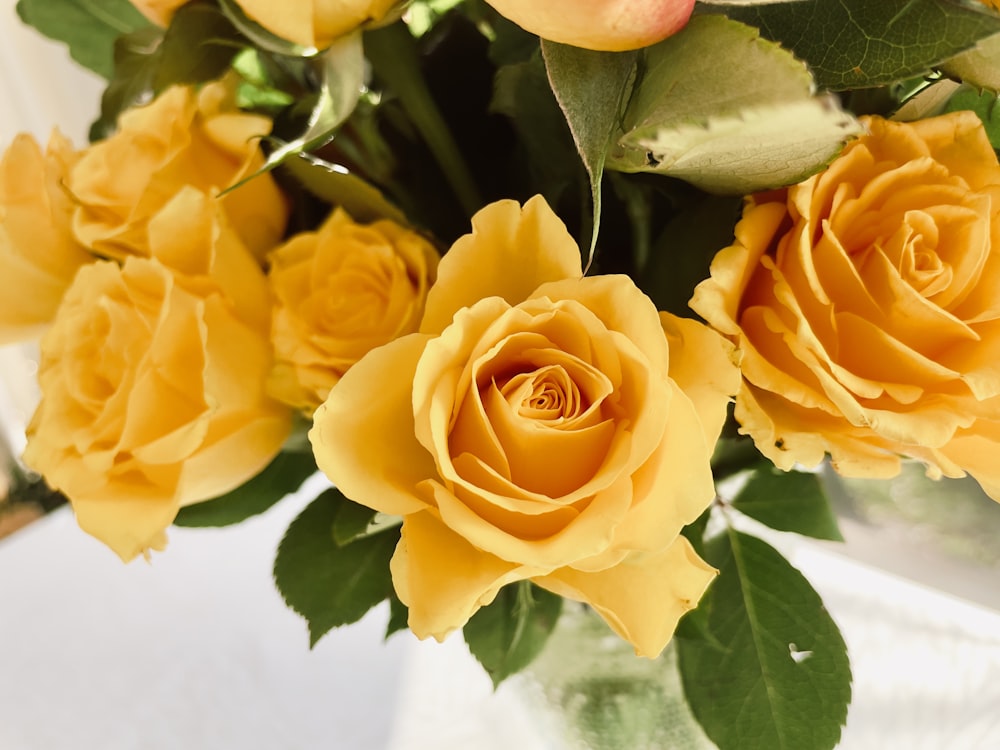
(540, 416)
(547, 395)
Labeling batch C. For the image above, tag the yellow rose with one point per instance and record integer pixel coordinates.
(183, 137)
(153, 380)
(38, 254)
(541, 426)
(158, 11)
(611, 25)
(315, 23)
(339, 293)
(867, 303)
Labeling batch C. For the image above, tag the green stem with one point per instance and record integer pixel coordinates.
(394, 55)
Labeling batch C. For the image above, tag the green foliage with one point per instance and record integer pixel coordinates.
(256, 90)
(788, 501)
(337, 186)
(285, 474)
(88, 27)
(328, 584)
(592, 89)
(781, 679)
(522, 93)
(509, 633)
(681, 255)
(860, 43)
(354, 522)
(694, 532)
(341, 70)
(135, 60)
(979, 66)
(394, 54)
(728, 111)
(398, 615)
(984, 104)
(199, 46)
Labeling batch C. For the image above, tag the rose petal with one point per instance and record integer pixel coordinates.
(129, 523)
(526, 538)
(643, 597)
(788, 434)
(504, 236)
(424, 572)
(621, 306)
(675, 485)
(705, 367)
(371, 453)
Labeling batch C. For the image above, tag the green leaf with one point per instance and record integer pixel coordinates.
(399, 615)
(783, 681)
(88, 27)
(327, 584)
(788, 501)
(928, 102)
(342, 69)
(694, 532)
(592, 89)
(339, 187)
(984, 104)
(395, 57)
(979, 66)
(521, 92)
(355, 522)
(135, 60)
(728, 111)
(860, 43)
(285, 474)
(509, 633)
(351, 521)
(682, 254)
(199, 46)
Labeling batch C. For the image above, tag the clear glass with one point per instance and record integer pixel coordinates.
(589, 691)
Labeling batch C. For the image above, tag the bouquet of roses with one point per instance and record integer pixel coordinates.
(526, 281)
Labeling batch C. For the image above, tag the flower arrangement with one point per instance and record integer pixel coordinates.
(554, 294)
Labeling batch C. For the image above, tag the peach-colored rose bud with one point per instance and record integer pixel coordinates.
(610, 25)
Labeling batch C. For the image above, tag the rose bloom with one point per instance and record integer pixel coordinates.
(153, 380)
(867, 303)
(541, 426)
(340, 292)
(611, 25)
(183, 137)
(38, 253)
(315, 23)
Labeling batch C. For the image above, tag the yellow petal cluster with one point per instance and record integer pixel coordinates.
(153, 380)
(540, 426)
(315, 23)
(340, 292)
(184, 137)
(866, 301)
(38, 253)
(610, 25)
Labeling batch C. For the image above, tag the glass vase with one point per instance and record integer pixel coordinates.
(589, 691)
